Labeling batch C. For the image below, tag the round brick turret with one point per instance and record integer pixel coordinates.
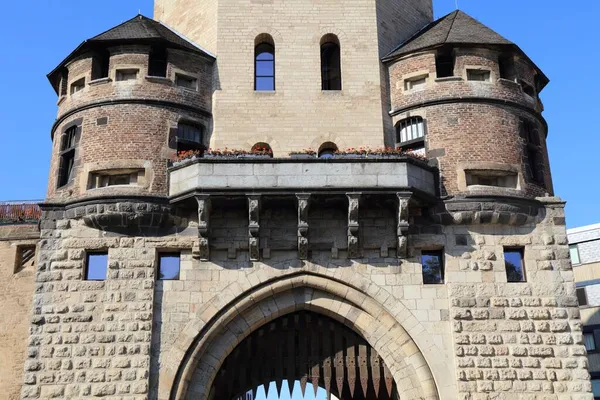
(121, 101)
(474, 108)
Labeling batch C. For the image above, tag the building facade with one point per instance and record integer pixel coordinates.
(359, 202)
(584, 246)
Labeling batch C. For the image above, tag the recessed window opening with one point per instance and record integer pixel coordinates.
(78, 85)
(418, 82)
(515, 265)
(528, 89)
(327, 150)
(186, 81)
(444, 63)
(478, 75)
(433, 267)
(189, 136)
(264, 63)
(100, 63)
(574, 253)
(127, 74)
(506, 65)
(169, 266)
(503, 179)
(25, 257)
(331, 72)
(96, 266)
(67, 155)
(581, 296)
(157, 62)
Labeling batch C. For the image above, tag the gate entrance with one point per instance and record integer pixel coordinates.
(311, 348)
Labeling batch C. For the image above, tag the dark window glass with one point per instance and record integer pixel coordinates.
(433, 267)
(157, 63)
(100, 62)
(264, 67)
(513, 261)
(581, 296)
(444, 63)
(67, 155)
(96, 266)
(168, 266)
(331, 73)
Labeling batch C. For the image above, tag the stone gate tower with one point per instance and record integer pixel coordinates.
(344, 195)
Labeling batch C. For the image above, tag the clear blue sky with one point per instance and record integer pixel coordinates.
(557, 35)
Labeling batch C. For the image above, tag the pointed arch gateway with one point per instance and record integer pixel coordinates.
(291, 298)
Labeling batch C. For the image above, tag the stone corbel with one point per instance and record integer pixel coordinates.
(203, 251)
(353, 225)
(303, 199)
(253, 226)
(402, 224)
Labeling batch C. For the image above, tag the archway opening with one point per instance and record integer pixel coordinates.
(304, 355)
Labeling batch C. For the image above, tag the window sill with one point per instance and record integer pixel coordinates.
(100, 81)
(449, 79)
(159, 79)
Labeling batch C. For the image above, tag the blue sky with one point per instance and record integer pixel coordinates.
(558, 36)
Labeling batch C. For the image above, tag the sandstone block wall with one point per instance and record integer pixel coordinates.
(16, 296)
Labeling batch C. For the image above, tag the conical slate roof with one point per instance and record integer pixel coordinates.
(138, 30)
(456, 28)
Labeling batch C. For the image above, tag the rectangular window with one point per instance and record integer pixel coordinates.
(433, 267)
(25, 257)
(127, 74)
(479, 75)
(96, 266)
(444, 63)
(78, 85)
(168, 266)
(515, 266)
(418, 82)
(157, 63)
(574, 253)
(589, 342)
(186, 81)
(581, 296)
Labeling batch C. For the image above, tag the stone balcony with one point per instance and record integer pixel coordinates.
(281, 176)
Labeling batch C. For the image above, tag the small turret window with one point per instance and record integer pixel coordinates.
(157, 62)
(67, 155)
(444, 63)
(189, 136)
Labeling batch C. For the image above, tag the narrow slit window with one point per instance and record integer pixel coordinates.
(96, 266)
(433, 267)
(478, 75)
(169, 266)
(264, 65)
(331, 73)
(515, 266)
(186, 81)
(77, 86)
(127, 75)
(157, 62)
(67, 156)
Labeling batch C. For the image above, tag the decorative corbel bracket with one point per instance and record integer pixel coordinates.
(303, 201)
(203, 251)
(402, 224)
(353, 225)
(253, 226)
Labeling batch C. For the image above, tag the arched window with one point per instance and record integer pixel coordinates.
(331, 71)
(327, 150)
(262, 148)
(410, 133)
(264, 63)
